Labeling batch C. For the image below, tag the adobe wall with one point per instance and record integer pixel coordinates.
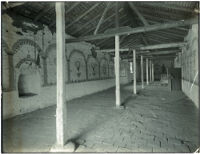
(29, 66)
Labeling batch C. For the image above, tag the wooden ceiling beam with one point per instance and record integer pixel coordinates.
(82, 15)
(102, 17)
(153, 18)
(89, 22)
(161, 40)
(162, 52)
(108, 18)
(174, 35)
(142, 19)
(136, 30)
(42, 13)
(161, 14)
(134, 8)
(162, 46)
(150, 47)
(105, 40)
(163, 37)
(66, 12)
(167, 6)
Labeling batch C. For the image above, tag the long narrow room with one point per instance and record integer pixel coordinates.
(104, 76)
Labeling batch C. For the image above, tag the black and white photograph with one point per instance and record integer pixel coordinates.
(100, 76)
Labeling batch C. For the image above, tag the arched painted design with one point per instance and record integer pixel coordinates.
(4, 47)
(50, 48)
(93, 68)
(22, 42)
(111, 69)
(50, 54)
(28, 60)
(24, 50)
(104, 68)
(51, 64)
(77, 66)
(7, 68)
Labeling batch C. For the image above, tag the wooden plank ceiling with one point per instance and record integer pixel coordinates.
(82, 19)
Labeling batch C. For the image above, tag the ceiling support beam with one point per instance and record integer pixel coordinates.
(136, 30)
(89, 22)
(102, 23)
(168, 6)
(66, 12)
(102, 17)
(162, 46)
(150, 47)
(144, 21)
(162, 52)
(82, 15)
(45, 10)
(141, 17)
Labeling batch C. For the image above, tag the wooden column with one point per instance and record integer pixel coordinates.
(147, 71)
(142, 72)
(117, 71)
(150, 79)
(134, 72)
(61, 114)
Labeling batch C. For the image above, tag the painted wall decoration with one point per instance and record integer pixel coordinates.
(104, 68)
(51, 64)
(77, 66)
(93, 68)
(122, 69)
(24, 49)
(7, 68)
(111, 69)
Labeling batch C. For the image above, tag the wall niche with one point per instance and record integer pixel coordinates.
(29, 80)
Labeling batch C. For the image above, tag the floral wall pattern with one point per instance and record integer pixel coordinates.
(77, 66)
(93, 68)
(111, 69)
(103, 68)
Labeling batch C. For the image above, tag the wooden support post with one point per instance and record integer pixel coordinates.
(147, 71)
(117, 71)
(150, 79)
(61, 108)
(60, 51)
(134, 72)
(142, 73)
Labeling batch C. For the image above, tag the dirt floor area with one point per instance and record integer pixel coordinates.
(154, 120)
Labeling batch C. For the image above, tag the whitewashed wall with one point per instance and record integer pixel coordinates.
(188, 60)
(31, 59)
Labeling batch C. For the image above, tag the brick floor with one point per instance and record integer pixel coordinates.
(155, 120)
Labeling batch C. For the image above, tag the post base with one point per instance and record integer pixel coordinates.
(120, 107)
(69, 147)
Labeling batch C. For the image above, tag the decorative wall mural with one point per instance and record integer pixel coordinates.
(122, 69)
(93, 68)
(104, 68)
(77, 66)
(111, 69)
(16, 47)
(51, 65)
(7, 68)
(24, 50)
